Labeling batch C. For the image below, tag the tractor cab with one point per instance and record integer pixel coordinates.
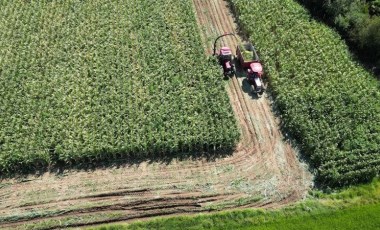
(225, 54)
(256, 67)
(254, 79)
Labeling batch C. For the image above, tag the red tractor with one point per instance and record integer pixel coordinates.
(225, 60)
(225, 57)
(249, 60)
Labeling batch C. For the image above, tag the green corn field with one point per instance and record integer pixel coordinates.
(327, 101)
(84, 81)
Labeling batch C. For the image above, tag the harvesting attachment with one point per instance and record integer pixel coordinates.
(250, 61)
(225, 57)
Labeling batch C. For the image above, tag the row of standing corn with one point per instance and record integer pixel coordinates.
(84, 81)
(327, 102)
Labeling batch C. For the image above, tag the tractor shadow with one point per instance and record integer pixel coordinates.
(247, 88)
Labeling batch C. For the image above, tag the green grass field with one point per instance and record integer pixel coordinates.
(354, 208)
(363, 217)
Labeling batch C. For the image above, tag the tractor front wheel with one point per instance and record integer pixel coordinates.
(253, 89)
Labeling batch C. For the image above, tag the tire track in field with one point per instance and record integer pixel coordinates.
(279, 157)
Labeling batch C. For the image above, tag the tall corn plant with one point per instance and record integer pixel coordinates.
(84, 81)
(328, 102)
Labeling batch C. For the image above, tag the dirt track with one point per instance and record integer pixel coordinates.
(264, 171)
